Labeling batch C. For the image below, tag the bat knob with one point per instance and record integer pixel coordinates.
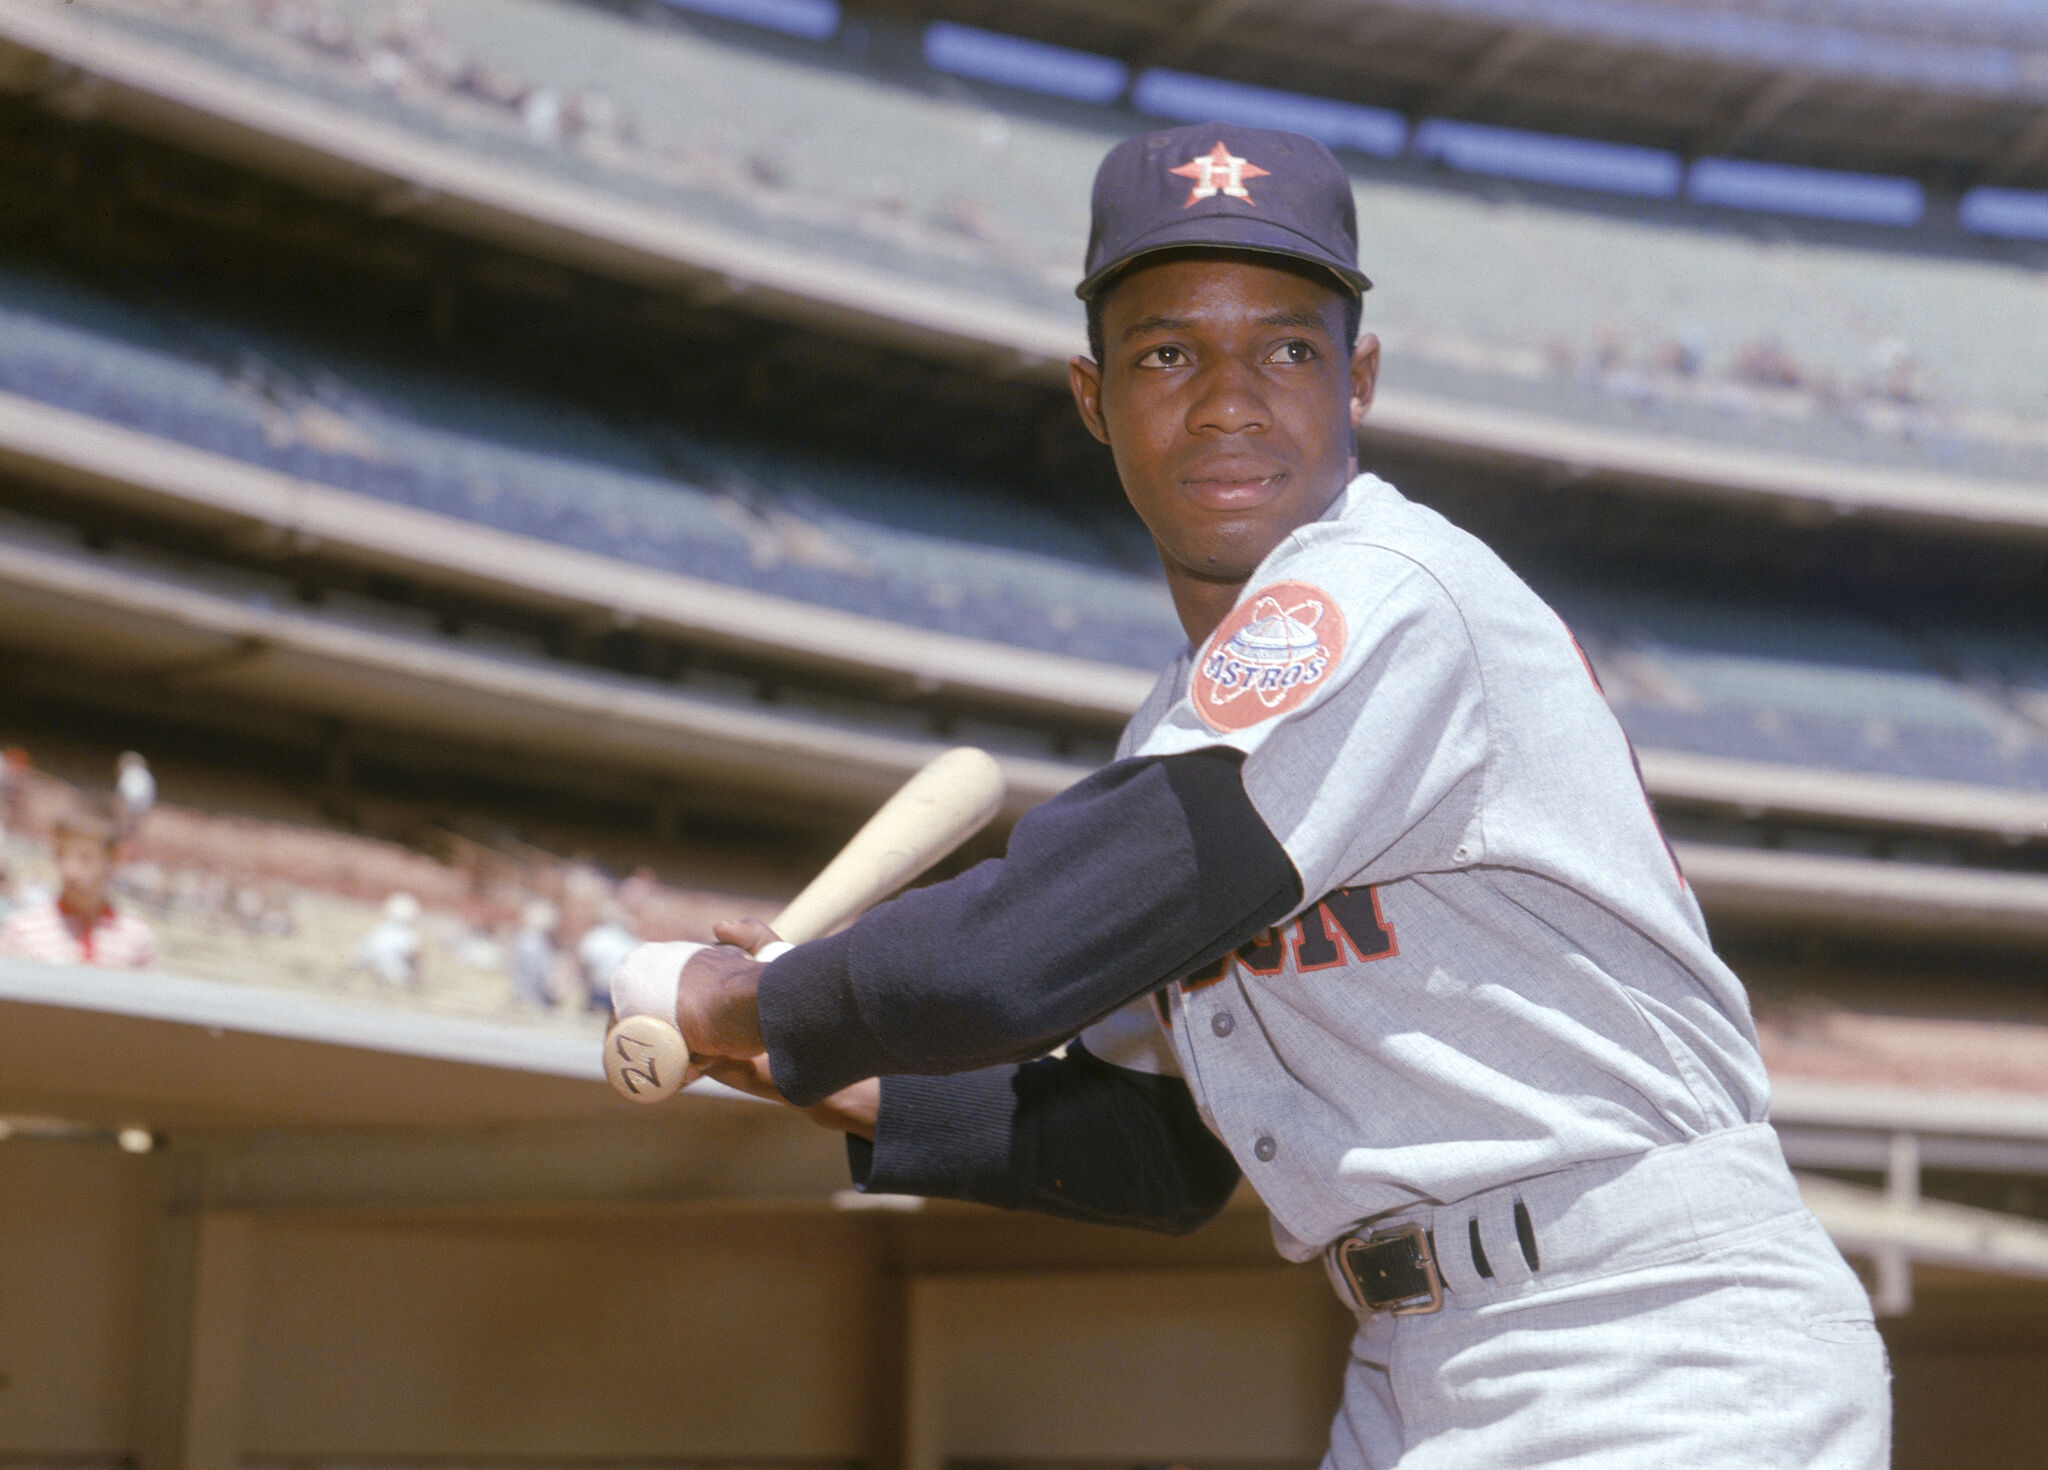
(645, 1058)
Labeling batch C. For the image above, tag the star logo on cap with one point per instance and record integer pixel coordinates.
(1219, 171)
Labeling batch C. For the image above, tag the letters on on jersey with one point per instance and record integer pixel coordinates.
(1268, 657)
(1343, 927)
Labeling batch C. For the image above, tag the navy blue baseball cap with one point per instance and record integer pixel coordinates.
(1226, 187)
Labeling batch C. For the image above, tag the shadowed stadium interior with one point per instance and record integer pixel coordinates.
(506, 442)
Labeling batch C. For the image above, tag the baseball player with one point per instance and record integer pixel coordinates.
(1370, 907)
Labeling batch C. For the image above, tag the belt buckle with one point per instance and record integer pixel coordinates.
(1415, 1303)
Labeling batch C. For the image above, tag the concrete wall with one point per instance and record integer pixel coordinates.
(742, 1333)
(1133, 1365)
(74, 1227)
(727, 1339)
(765, 1333)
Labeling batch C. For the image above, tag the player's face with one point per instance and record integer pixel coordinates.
(1230, 401)
(83, 866)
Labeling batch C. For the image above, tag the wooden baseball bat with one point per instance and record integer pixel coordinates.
(931, 814)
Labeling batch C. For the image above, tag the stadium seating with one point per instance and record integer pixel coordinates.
(926, 555)
(1808, 340)
(1800, 689)
(1789, 687)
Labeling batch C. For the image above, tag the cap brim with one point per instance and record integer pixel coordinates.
(1209, 231)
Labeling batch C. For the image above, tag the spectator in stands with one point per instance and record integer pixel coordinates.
(12, 896)
(533, 954)
(134, 790)
(14, 767)
(603, 946)
(636, 890)
(391, 951)
(81, 925)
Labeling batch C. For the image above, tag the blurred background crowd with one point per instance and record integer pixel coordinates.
(106, 876)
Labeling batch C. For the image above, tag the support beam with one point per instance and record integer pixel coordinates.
(194, 1344)
(1847, 1148)
(1894, 1294)
(924, 1370)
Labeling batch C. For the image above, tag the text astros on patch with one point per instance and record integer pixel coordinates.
(1268, 655)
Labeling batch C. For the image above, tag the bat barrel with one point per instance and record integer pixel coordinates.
(943, 805)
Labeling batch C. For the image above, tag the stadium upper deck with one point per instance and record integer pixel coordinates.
(1955, 89)
(1659, 345)
(209, 404)
(571, 562)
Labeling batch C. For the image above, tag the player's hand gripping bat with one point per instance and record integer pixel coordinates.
(935, 811)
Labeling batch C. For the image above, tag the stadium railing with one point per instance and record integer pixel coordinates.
(362, 666)
(376, 669)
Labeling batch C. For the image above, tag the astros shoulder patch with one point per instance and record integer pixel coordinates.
(1268, 657)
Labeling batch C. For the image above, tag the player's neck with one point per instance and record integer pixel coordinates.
(1201, 602)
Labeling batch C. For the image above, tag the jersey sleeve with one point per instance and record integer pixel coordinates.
(1072, 1136)
(1348, 680)
(1145, 871)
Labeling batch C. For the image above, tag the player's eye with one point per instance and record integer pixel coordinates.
(1293, 350)
(1164, 356)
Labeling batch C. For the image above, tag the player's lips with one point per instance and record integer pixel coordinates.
(1233, 487)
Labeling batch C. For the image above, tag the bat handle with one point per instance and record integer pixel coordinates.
(646, 1058)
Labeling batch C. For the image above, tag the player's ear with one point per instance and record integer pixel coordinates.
(1085, 378)
(1365, 375)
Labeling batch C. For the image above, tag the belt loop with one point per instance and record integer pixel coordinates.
(1340, 1279)
(1525, 1235)
(1478, 1248)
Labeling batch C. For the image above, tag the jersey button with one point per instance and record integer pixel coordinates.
(1221, 1023)
(1265, 1148)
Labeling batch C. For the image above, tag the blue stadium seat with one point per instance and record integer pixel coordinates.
(1635, 315)
(1800, 688)
(962, 558)
(1729, 678)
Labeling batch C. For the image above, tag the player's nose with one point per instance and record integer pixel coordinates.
(1228, 400)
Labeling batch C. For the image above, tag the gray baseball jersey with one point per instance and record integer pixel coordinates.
(1501, 972)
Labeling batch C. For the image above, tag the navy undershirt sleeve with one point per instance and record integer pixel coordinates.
(1070, 1136)
(1144, 872)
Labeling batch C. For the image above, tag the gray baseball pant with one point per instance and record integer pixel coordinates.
(1686, 1312)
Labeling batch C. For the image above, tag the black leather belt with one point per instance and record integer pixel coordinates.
(1390, 1271)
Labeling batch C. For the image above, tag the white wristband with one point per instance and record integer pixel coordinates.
(647, 979)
